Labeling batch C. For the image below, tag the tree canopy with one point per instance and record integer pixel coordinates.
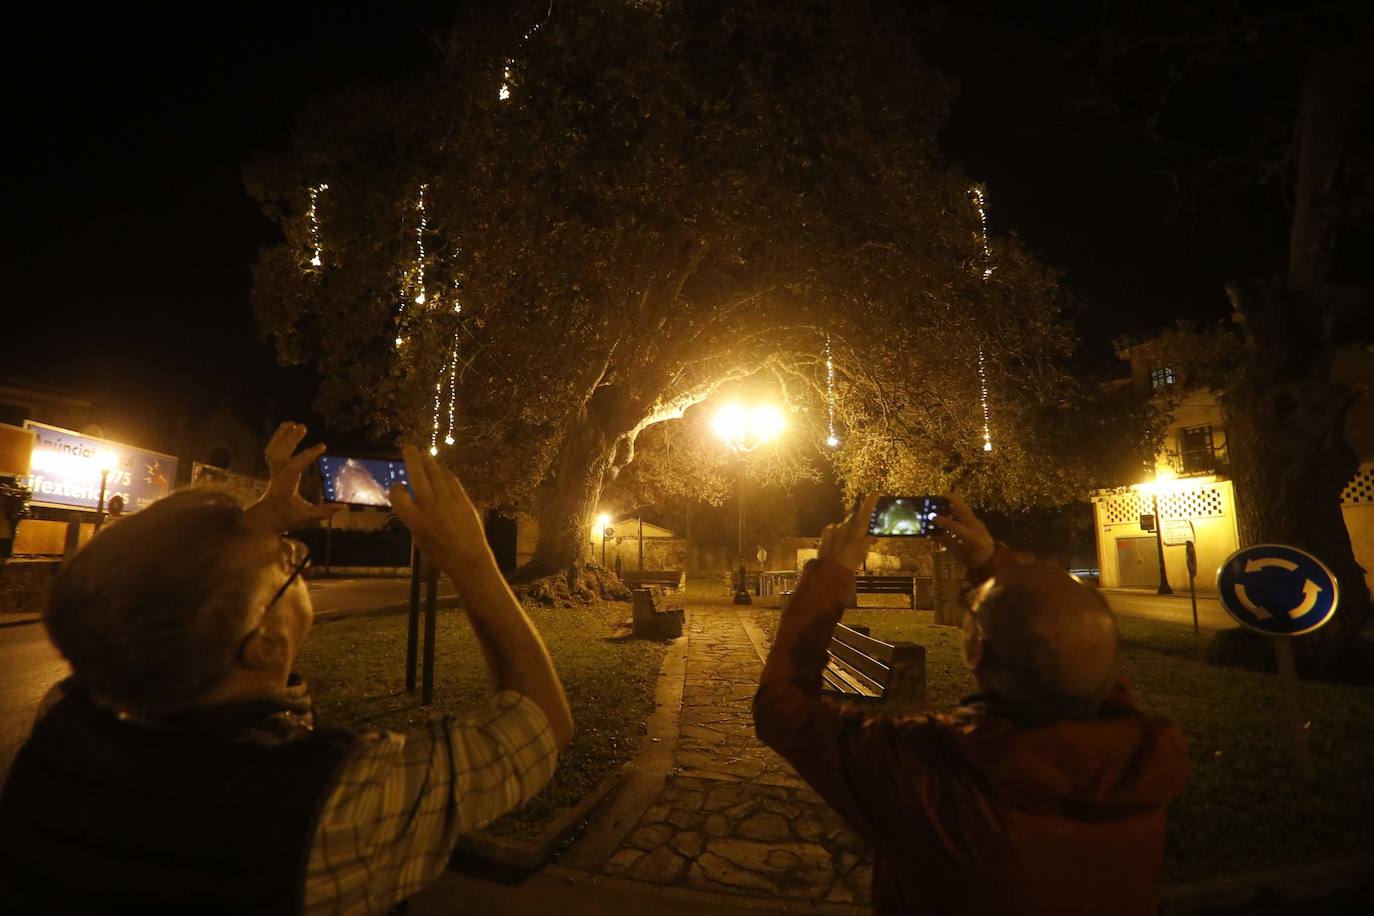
(630, 206)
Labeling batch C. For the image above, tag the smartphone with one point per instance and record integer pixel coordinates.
(360, 481)
(906, 516)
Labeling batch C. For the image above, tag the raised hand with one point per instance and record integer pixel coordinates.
(964, 534)
(281, 507)
(440, 515)
(847, 542)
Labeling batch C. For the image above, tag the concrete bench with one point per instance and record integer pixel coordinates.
(859, 667)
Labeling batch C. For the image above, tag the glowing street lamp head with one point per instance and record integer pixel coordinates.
(744, 430)
(603, 521)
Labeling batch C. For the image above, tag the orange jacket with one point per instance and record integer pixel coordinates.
(982, 812)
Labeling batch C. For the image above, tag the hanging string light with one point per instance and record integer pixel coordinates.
(831, 440)
(418, 283)
(980, 201)
(420, 246)
(506, 75)
(316, 260)
(434, 436)
(452, 389)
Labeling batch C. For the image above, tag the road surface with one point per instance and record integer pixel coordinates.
(29, 665)
(1169, 608)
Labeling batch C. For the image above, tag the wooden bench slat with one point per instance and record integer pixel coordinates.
(872, 671)
(846, 682)
(873, 648)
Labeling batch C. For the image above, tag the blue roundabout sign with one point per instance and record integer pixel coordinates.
(1277, 590)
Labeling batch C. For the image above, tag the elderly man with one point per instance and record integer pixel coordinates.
(176, 770)
(1044, 793)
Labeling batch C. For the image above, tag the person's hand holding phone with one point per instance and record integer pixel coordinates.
(847, 542)
(964, 534)
(440, 515)
(281, 507)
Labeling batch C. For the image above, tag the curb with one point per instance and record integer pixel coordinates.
(22, 620)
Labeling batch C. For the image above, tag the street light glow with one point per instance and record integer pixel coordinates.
(746, 429)
(603, 521)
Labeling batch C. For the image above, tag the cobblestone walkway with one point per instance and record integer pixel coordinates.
(733, 816)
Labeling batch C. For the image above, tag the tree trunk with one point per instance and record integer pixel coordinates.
(566, 501)
(1290, 461)
(1285, 415)
(568, 495)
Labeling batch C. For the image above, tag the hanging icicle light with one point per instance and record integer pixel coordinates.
(980, 201)
(831, 440)
(316, 259)
(420, 246)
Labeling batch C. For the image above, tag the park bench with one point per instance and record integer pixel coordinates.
(859, 667)
(652, 619)
(885, 585)
(663, 578)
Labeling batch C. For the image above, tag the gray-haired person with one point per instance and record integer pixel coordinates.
(177, 769)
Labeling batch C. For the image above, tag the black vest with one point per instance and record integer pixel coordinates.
(202, 814)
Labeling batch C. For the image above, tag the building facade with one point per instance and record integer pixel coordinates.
(1190, 491)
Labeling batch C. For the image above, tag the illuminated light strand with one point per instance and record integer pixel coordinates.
(434, 436)
(316, 259)
(452, 389)
(831, 440)
(506, 75)
(420, 245)
(419, 264)
(980, 201)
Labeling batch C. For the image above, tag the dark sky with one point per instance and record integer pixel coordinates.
(129, 240)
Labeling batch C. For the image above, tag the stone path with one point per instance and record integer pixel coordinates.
(733, 816)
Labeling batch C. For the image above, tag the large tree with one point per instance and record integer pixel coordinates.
(630, 205)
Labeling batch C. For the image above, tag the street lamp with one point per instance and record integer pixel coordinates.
(603, 524)
(1152, 487)
(743, 430)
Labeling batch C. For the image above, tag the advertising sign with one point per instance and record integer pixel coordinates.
(66, 469)
(1176, 532)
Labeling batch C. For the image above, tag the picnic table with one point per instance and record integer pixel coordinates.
(775, 581)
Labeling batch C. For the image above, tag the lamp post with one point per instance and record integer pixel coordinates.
(1164, 587)
(603, 522)
(744, 430)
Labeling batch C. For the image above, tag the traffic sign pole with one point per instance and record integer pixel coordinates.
(1191, 558)
(1288, 700)
(1282, 592)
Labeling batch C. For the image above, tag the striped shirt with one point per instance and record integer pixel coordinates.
(401, 801)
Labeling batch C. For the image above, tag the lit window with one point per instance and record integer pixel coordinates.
(1161, 376)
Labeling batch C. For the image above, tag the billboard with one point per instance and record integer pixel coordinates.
(66, 468)
(251, 488)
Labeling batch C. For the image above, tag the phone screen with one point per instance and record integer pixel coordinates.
(906, 516)
(360, 481)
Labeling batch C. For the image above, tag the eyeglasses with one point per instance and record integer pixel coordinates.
(299, 561)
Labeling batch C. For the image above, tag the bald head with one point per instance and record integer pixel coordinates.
(1042, 639)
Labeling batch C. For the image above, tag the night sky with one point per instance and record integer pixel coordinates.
(130, 241)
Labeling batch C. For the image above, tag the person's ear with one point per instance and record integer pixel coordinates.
(267, 648)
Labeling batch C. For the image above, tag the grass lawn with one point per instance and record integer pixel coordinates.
(1242, 809)
(356, 671)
